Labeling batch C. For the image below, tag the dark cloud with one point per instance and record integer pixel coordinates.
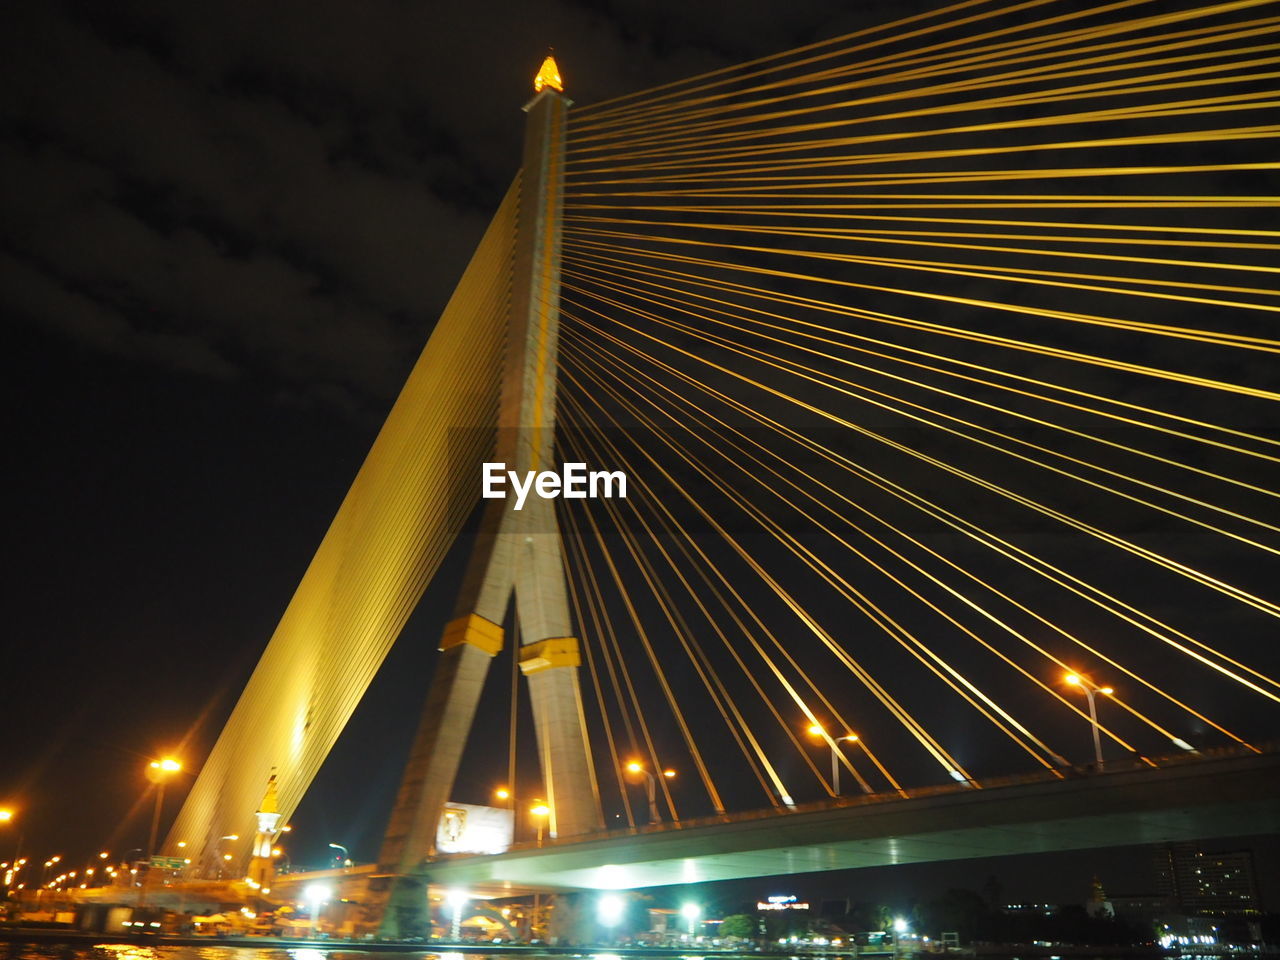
(291, 190)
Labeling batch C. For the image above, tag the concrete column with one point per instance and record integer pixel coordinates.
(549, 659)
(518, 551)
(549, 655)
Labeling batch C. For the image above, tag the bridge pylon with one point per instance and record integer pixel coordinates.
(516, 552)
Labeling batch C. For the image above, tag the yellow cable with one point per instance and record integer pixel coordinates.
(704, 564)
(614, 266)
(614, 756)
(696, 410)
(989, 339)
(1119, 608)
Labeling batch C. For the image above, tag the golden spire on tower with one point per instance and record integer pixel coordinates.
(548, 76)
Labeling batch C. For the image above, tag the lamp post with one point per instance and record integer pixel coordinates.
(346, 856)
(457, 900)
(1076, 680)
(6, 818)
(542, 812)
(609, 910)
(158, 772)
(816, 730)
(651, 786)
(900, 928)
(316, 895)
(691, 912)
(128, 862)
(224, 859)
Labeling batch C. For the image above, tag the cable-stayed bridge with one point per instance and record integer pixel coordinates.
(1029, 813)
(939, 361)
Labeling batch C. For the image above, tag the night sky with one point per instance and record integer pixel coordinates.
(225, 232)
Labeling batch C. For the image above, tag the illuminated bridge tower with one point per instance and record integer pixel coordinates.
(516, 552)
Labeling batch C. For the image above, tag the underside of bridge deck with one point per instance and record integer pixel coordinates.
(1197, 799)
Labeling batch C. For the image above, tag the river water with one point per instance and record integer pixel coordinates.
(123, 951)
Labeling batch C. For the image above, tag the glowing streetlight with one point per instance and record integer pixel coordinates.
(6, 817)
(542, 812)
(691, 912)
(1089, 688)
(316, 894)
(651, 787)
(159, 772)
(609, 910)
(458, 900)
(346, 856)
(816, 730)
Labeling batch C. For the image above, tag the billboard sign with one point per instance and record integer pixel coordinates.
(471, 828)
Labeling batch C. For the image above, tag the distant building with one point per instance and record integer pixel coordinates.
(1206, 883)
(1144, 911)
(1098, 905)
(1039, 909)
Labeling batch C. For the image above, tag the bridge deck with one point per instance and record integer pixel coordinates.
(1190, 800)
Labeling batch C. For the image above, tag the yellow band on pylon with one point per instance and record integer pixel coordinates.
(475, 630)
(544, 654)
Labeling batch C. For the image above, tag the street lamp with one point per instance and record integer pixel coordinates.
(504, 795)
(316, 895)
(609, 911)
(225, 865)
(458, 900)
(651, 786)
(691, 912)
(346, 856)
(158, 772)
(1076, 680)
(542, 812)
(816, 730)
(6, 817)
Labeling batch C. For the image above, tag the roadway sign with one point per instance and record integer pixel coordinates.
(168, 863)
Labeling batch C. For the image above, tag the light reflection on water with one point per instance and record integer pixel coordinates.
(120, 951)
